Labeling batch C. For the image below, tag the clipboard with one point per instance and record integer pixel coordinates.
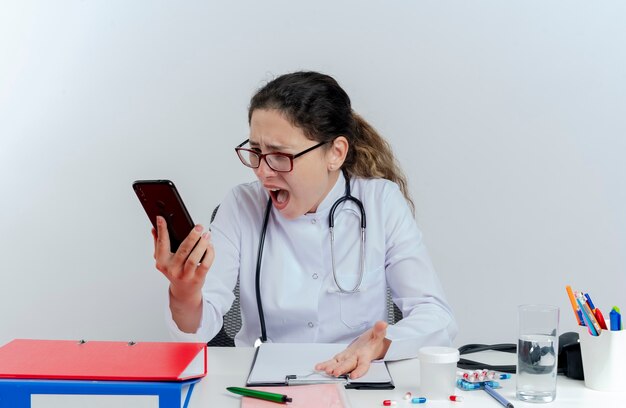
(283, 364)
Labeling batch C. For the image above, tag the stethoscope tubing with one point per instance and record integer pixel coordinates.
(257, 283)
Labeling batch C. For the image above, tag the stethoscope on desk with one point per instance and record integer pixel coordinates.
(331, 225)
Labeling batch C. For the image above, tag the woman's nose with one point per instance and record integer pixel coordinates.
(264, 170)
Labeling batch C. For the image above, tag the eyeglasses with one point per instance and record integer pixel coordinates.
(277, 161)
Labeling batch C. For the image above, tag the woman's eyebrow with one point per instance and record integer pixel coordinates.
(271, 147)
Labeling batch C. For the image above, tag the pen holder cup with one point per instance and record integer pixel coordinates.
(603, 359)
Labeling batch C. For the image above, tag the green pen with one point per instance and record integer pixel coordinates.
(268, 396)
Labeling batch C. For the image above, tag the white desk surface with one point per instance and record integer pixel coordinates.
(229, 367)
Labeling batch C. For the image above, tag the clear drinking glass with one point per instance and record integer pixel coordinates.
(537, 352)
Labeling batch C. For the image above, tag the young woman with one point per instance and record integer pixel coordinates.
(309, 151)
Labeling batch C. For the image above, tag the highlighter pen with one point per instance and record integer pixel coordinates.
(621, 324)
(600, 318)
(616, 319)
(268, 396)
(572, 300)
(498, 397)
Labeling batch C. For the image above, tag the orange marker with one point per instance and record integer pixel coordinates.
(572, 300)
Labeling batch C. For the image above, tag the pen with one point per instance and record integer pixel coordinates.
(588, 314)
(268, 396)
(589, 302)
(497, 396)
(587, 319)
(596, 313)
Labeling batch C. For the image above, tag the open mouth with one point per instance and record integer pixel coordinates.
(280, 198)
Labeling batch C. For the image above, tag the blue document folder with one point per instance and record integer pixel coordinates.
(16, 393)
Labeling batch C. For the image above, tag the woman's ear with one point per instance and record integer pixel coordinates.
(337, 153)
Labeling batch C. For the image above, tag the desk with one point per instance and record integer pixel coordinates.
(229, 366)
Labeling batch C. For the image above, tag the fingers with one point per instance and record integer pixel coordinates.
(162, 244)
(341, 364)
(329, 365)
(154, 237)
(207, 261)
(324, 365)
(188, 244)
(345, 365)
(193, 263)
(379, 331)
(361, 368)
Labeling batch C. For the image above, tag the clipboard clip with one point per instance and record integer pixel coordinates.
(315, 378)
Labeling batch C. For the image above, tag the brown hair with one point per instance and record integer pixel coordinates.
(316, 104)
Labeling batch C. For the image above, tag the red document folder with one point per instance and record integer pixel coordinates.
(102, 360)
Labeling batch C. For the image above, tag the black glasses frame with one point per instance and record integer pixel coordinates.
(263, 156)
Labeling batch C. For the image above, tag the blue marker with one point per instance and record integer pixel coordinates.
(580, 317)
(589, 302)
(616, 319)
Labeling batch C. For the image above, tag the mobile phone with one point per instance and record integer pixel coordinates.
(160, 197)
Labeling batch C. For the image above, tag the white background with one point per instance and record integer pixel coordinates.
(508, 118)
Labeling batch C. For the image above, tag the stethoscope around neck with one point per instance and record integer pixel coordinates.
(331, 225)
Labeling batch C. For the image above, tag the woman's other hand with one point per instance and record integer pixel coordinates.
(356, 358)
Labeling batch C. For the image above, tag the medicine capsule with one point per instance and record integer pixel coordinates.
(408, 396)
(388, 403)
(418, 400)
(466, 385)
(456, 398)
(505, 376)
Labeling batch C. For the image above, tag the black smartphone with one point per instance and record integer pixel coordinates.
(160, 197)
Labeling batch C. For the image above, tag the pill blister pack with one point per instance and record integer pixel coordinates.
(477, 379)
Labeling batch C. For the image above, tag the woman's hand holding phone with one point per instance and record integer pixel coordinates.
(186, 271)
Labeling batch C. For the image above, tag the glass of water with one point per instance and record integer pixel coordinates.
(537, 352)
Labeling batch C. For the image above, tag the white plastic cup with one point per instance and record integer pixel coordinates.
(438, 371)
(603, 359)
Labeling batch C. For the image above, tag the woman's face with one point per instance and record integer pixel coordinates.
(314, 173)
